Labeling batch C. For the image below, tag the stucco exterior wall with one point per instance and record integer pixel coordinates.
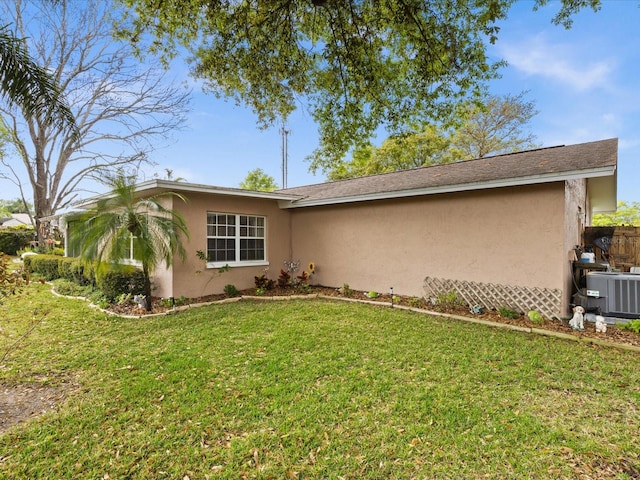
(192, 278)
(503, 235)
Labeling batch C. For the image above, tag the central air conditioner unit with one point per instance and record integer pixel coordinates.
(614, 293)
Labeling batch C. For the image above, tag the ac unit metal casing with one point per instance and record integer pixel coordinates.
(614, 293)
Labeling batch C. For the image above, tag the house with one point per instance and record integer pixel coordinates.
(16, 220)
(501, 227)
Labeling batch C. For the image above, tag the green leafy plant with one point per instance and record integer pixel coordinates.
(261, 291)
(124, 299)
(632, 325)
(414, 302)
(303, 288)
(11, 280)
(449, 299)
(121, 279)
(345, 290)
(230, 290)
(372, 294)
(508, 313)
(264, 283)
(535, 317)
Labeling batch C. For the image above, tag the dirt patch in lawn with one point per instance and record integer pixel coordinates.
(24, 401)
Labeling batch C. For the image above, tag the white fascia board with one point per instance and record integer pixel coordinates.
(193, 188)
(507, 182)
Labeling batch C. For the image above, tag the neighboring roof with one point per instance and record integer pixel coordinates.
(16, 219)
(593, 160)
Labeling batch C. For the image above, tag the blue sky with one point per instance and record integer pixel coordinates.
(585, 82)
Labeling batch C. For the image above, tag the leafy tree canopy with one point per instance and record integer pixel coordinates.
(259, 181)
(497, 127)
(357, 65)
(15, 206)
(627, 213)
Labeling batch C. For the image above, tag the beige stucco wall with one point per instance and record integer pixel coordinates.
(504, 235)
(192, 278)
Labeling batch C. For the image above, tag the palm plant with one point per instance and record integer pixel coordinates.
(29, 86)
(106, 233)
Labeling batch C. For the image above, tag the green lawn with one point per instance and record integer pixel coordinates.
(312, 389)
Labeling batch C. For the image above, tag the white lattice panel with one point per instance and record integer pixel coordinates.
(493, 296)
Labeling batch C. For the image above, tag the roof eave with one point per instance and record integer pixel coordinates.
(607, 171)
(167, 185)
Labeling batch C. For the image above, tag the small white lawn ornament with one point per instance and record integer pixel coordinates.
(601, 325)
(140, 300)
(577, 322)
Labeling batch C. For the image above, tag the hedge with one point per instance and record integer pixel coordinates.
(13, 240)
(113, 280)
(47, 266)
(120, 279)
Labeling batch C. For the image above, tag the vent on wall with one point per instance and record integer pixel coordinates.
(614, 293)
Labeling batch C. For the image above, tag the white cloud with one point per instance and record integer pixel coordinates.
(566, 64)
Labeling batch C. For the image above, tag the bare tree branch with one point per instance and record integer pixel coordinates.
(123, 110)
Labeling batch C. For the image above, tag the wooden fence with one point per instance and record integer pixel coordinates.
(620, 246)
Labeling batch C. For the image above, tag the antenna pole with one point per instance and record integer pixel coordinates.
(285, 155)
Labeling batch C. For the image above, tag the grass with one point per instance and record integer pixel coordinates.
(312, 389)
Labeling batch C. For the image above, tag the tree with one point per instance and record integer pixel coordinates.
(16, 206)
(259, 181)
(494, 128)
(357, 65)
(122, 110)
(428, 147)
(105, 233)
(626, 214)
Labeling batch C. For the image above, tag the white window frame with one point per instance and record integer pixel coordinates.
(237, 238)
(131, 260)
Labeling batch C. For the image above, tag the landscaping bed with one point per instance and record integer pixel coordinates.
(613, 334)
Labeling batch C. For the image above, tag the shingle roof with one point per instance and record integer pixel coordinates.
(583, 160)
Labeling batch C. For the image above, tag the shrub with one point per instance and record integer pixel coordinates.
(535, 317)
(73, 269)
(47, 266)
(632, 325)
(12, 240)
(284, 280)
(449, 299)
(508, 313)
(10, 280)
(264, 283)
(415, 302)
(346, 290)
(120, 279)
(230, 290)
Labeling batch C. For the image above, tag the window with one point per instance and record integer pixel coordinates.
(131, 254)
(235, 239)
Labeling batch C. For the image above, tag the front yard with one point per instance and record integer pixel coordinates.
(308, 389)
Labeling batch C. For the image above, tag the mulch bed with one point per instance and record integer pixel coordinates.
(614, 334)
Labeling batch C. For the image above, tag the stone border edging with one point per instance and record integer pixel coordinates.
(489, 323)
